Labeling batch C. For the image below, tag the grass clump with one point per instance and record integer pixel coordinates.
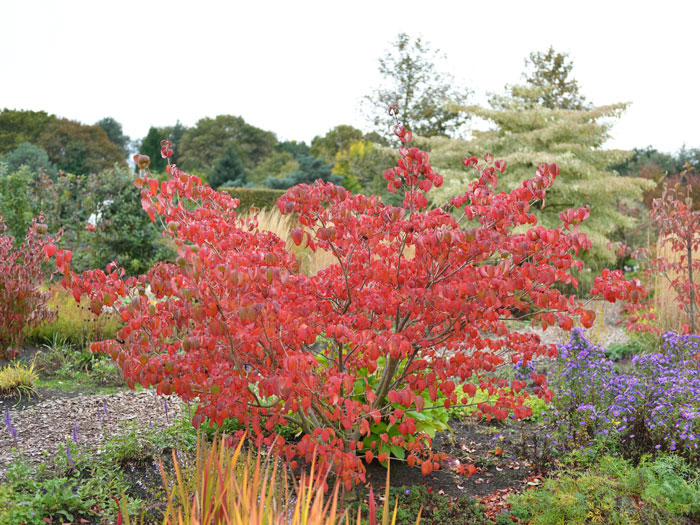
(59, 360)
(18, 379)
(74, 324)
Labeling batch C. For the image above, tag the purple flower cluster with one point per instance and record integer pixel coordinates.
(10, 427)
(653, 406)
(523, 371)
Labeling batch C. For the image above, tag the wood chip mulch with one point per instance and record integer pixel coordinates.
(44, 427)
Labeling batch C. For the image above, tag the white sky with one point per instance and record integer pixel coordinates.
(301, 68)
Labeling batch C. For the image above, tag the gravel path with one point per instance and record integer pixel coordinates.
(45, 426)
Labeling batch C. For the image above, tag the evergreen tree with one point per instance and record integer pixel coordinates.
(228, 170)
(15, 200)
(546, 120)
(294, 147)
(34, 157)
(150, 145)
(123, 232)
(310, 169)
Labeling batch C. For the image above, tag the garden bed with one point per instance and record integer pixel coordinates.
(44, 424)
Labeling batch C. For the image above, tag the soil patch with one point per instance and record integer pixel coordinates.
(498, 464)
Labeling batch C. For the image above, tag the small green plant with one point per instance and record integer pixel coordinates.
(137, 445)
(61, 360)
(670, 483)
(666, 490)
(105, 372)
(18, 379)
(638, 343)
(32, 497)
(77, 484)
(461, 411)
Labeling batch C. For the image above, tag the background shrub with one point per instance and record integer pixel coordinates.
(258, 197)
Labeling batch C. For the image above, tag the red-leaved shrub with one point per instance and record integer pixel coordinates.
(678, 225)
(22, 302)
(369, 343)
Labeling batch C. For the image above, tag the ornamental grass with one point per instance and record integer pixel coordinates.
(233, 488)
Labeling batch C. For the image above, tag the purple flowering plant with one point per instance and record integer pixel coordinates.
(652, 406)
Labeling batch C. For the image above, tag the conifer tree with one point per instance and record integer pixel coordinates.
(228, 170)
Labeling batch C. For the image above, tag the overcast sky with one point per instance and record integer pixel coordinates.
(301, 68)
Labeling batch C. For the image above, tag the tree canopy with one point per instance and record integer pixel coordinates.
(77, 148)
(18, 126)
(115, 133)
(549, 72)
(422, 92)
(340, 137)
(206, 141)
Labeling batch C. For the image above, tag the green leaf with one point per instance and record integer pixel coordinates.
(398, 451)
(378, 428)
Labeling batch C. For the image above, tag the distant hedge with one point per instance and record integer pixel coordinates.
(258, 197)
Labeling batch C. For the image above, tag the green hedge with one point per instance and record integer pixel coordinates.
(258, 197)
